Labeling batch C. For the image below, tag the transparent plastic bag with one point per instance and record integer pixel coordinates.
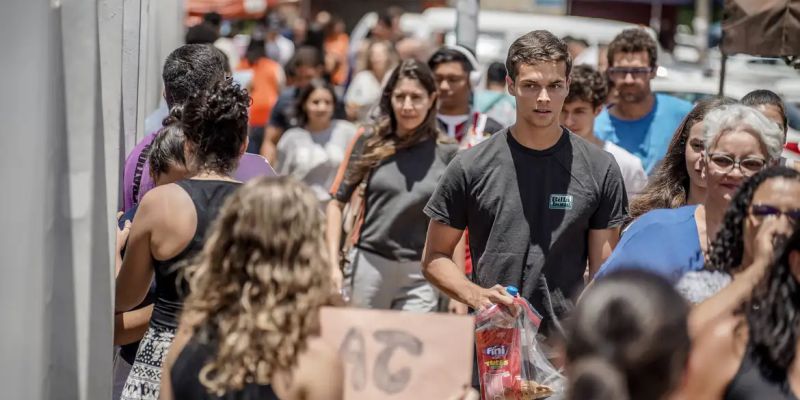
(512, 364)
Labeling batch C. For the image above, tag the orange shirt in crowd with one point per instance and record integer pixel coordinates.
(265, 88)
(336, 46)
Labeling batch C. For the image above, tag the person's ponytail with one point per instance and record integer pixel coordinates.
(627, 339)
(594, 378)
(175, 116)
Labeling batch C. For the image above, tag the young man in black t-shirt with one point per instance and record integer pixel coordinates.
(538, 201)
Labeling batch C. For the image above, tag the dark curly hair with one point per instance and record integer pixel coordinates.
(214, 122)
(773, 314)
(669, 185)
(587, 84)
(633, 40)
(727, 249)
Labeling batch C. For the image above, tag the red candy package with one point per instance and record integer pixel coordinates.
(510, 361)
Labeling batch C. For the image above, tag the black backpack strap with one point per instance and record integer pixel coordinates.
(137, 173)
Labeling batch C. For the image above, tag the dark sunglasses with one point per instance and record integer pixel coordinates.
(765, 210)
(621, 72)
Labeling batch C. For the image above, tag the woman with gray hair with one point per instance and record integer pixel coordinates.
(739, 143)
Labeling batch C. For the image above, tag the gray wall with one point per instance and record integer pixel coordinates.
(69, 73)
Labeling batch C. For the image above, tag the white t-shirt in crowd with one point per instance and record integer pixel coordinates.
(365, 92)
(314, 158)
(631, 167)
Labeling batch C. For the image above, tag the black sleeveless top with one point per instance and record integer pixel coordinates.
(750, 382)
(186, 382)
(207, 197)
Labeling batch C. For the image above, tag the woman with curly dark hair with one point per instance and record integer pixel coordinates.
(733, 250)
(752, 354)
(676, 182)
(250, 324)
(765, 209)
(171, 221)
(396, 166)
(739, 142)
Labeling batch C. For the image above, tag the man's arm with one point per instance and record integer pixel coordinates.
(601, 244)
(439, 268)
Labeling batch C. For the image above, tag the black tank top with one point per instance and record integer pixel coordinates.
(207, 197)
(750, 382)
(186, 382)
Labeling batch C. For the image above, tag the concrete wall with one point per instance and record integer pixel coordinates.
(64, 130)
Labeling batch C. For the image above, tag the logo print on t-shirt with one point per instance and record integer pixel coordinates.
(560, 202)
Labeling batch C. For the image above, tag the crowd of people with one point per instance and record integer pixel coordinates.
(658, 239)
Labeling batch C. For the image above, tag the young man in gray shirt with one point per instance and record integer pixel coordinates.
(537, 200)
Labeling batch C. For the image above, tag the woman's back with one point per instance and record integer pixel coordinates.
(207, 197)
(185, 377)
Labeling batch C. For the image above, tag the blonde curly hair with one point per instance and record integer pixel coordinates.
(256, 289)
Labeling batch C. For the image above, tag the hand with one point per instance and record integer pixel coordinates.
(771, 231)
(337, 279)
(457, 307)
(122, 236)
(485, 298)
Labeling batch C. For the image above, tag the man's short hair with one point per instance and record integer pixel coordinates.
(587, 84)
(213, 18)
(633, 40)
(446, 55)
(496, 73)
(202, 33)
(535, 47)
(190, 69)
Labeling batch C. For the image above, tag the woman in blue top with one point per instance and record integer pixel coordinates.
(739, 143)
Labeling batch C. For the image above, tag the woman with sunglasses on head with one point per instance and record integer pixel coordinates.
(739, 142)
(676, 182)
(399, 161)
(752, 353)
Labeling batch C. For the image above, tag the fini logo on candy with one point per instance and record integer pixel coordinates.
(496, 351)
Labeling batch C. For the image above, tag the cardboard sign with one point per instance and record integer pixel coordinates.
(400, 355)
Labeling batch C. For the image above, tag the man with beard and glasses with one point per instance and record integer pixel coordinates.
(641, 121)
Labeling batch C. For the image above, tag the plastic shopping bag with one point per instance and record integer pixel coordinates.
(511, 362)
